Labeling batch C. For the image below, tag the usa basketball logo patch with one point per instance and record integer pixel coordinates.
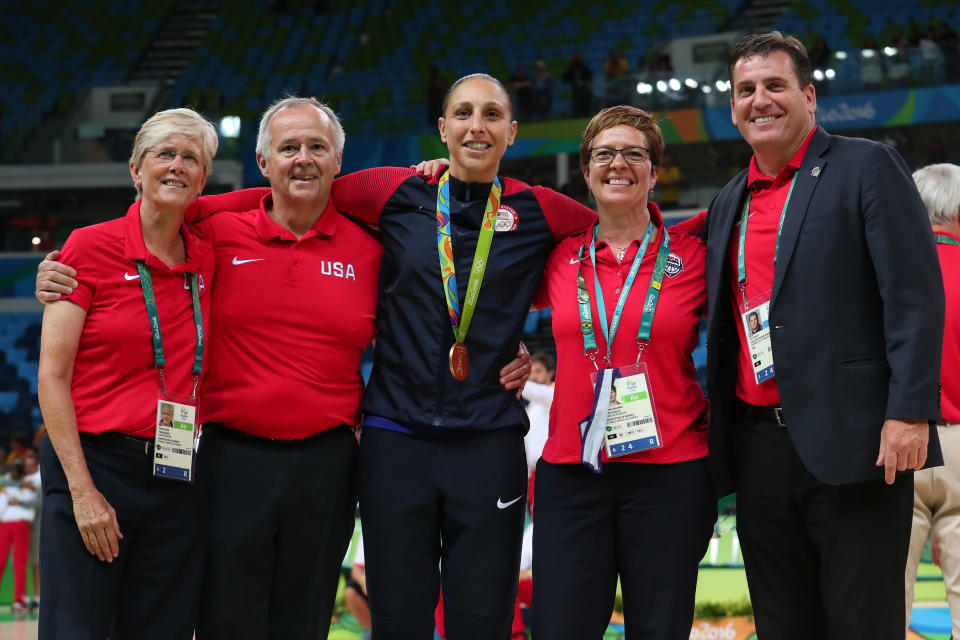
(506, 219)
(674, 265)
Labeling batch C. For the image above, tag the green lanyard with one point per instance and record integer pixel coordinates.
(461, 324)
(649, 306)
(146, 284)
(741, 245)
(945, 239)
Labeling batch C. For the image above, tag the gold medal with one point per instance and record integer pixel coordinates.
(459, 361)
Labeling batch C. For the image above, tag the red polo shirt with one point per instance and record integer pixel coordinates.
(115, 384)
(950, 365)
(294, 317)
(767, 197)
(679, 401)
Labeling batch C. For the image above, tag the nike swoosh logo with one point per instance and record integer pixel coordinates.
(503, 505)
(236, 260)
(127, 276)
(575, 260)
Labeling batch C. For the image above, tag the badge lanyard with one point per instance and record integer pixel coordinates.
(653, 294)
(461, 323)
(945, 239)
(146, 284)
(741, 245)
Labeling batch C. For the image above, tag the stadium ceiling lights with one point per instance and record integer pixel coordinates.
(230, 126)
(644, 88)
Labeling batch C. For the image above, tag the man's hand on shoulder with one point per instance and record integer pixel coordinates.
(54, 279)
(903, 445)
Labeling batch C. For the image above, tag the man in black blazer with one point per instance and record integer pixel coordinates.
(818, 422)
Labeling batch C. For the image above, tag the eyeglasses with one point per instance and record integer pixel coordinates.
(190, 161)
(632, 155)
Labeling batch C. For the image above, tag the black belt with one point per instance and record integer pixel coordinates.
(769, 413)
(115, 440)
(235, 434)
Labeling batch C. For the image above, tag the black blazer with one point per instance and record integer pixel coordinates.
(856, 311)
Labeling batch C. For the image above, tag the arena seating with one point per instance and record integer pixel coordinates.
(19, 353)
(54, 51)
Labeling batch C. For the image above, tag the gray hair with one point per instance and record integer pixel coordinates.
(163, 124)
(291, 102)
(939, 186)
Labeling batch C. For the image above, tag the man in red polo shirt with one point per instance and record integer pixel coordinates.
(821, 406)
(936, 500)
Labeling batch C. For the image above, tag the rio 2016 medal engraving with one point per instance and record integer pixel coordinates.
(459, 361)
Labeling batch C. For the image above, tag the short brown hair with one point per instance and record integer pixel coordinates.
(630, 116)
(763, 44)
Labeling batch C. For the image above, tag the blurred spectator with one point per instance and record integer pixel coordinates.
(616, 70)
(936, 151)
(542, 90)
(355, 591)
(437, 86)
(580, 79)
(17, 510)
(871, 66)
(936, 499)
(38, 436)
(668, 184)
(538, 392)
(949, 46)
(522, 86)
(31, 480)
(820, 54)
(615, 65)
(19, 447)
(931, 60)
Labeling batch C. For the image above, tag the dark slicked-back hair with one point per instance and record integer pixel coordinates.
(476, 76)
(763, 44)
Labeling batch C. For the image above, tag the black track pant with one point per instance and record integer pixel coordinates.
(456, 499)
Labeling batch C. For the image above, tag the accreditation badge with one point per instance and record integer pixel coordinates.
(173, 446)
(756, 328)
(631, 423)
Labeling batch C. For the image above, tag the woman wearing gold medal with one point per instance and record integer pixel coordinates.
(442, 465)
(623, 487)
(121, 357)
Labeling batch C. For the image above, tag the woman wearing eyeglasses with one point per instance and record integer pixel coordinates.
(120, 361)
(623, 487)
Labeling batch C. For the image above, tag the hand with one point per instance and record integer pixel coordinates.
(429, 168)
(935, 552)
(13, 502)
(516, 373)
(54, 279)
(97, 522)
(903, 445)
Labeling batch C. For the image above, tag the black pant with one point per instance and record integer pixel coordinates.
(648, 523)
(822, 561)
(459, 499)
(282, 516)
(150, 591)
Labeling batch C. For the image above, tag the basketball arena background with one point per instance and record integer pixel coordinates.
(78, 78)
